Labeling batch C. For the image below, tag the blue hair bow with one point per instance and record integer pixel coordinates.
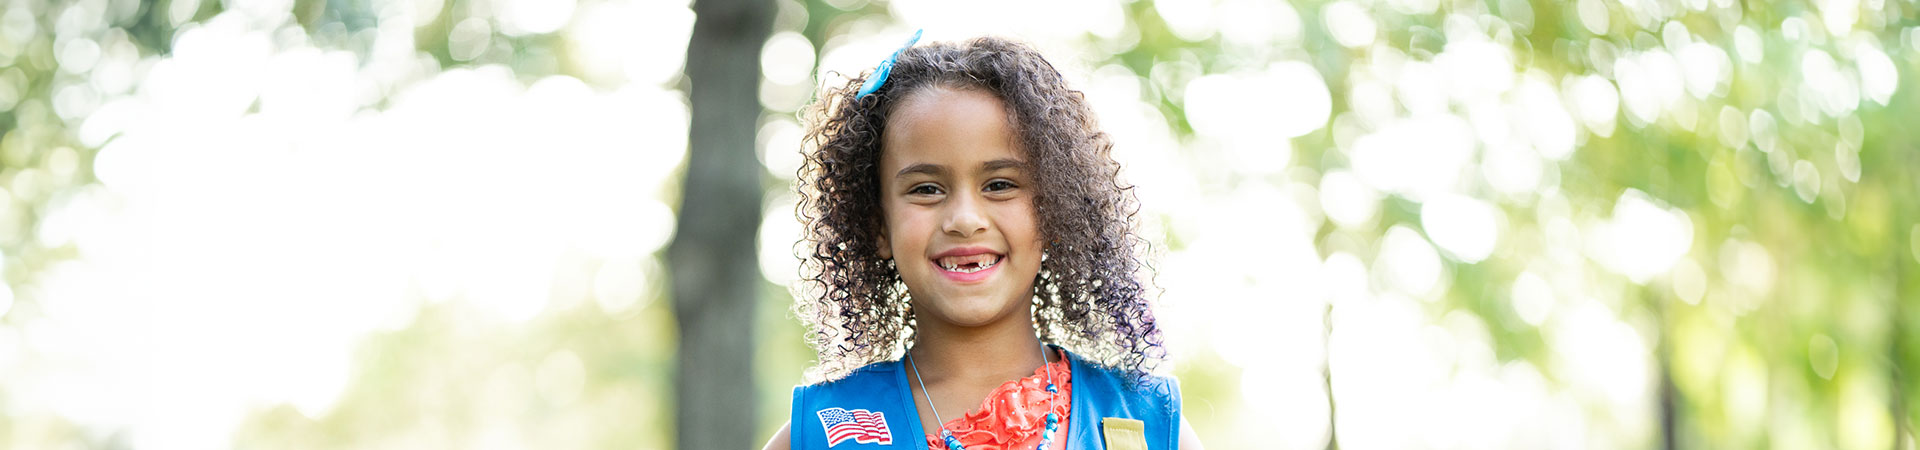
(879, 77)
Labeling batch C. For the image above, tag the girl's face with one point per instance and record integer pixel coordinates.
(958, 205)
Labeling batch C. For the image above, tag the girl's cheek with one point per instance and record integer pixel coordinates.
(1025, 218)
(913, 229)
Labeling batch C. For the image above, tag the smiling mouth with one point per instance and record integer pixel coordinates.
(969, 263)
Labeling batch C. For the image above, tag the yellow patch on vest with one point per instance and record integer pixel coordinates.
(1124, 434)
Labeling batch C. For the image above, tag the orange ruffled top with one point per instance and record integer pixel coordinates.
(1014, 415)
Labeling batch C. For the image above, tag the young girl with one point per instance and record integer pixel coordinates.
(970, 175)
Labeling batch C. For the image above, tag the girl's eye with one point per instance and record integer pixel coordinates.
(924, 189)
(1000, 185)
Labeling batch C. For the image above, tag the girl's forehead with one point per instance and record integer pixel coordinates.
(939, 117)
(936, 98)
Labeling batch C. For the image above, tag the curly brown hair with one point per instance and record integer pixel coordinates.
(1087, 297)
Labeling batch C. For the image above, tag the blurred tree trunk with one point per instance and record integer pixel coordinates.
(716, 280)
(1899, 370)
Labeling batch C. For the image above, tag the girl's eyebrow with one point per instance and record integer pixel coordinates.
(1003, 163)
(929, 169)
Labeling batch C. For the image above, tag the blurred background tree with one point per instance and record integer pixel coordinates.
(1381, 223)
(716, 282)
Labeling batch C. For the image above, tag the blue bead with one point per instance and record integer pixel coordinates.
(1052, 419)
(1052, 388)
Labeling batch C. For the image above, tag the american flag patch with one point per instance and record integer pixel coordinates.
(860, 425)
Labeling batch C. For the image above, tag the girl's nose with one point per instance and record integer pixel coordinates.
(964, 218)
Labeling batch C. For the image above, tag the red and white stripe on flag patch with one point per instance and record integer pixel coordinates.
(862, 426)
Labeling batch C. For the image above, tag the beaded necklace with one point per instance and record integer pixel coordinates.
(953, 443)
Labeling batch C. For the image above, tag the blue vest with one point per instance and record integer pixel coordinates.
(878, 393)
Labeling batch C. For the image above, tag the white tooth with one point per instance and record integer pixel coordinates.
(979, 263)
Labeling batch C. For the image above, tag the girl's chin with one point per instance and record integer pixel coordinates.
(973, 312)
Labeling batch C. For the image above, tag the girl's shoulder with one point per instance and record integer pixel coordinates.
(874, 381)
(867, 407)
(1117, 382)
(876, 371)
(1105, 398)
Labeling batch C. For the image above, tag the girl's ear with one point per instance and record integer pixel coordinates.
(886, 248)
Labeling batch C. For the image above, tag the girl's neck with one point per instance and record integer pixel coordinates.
(987, 355)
